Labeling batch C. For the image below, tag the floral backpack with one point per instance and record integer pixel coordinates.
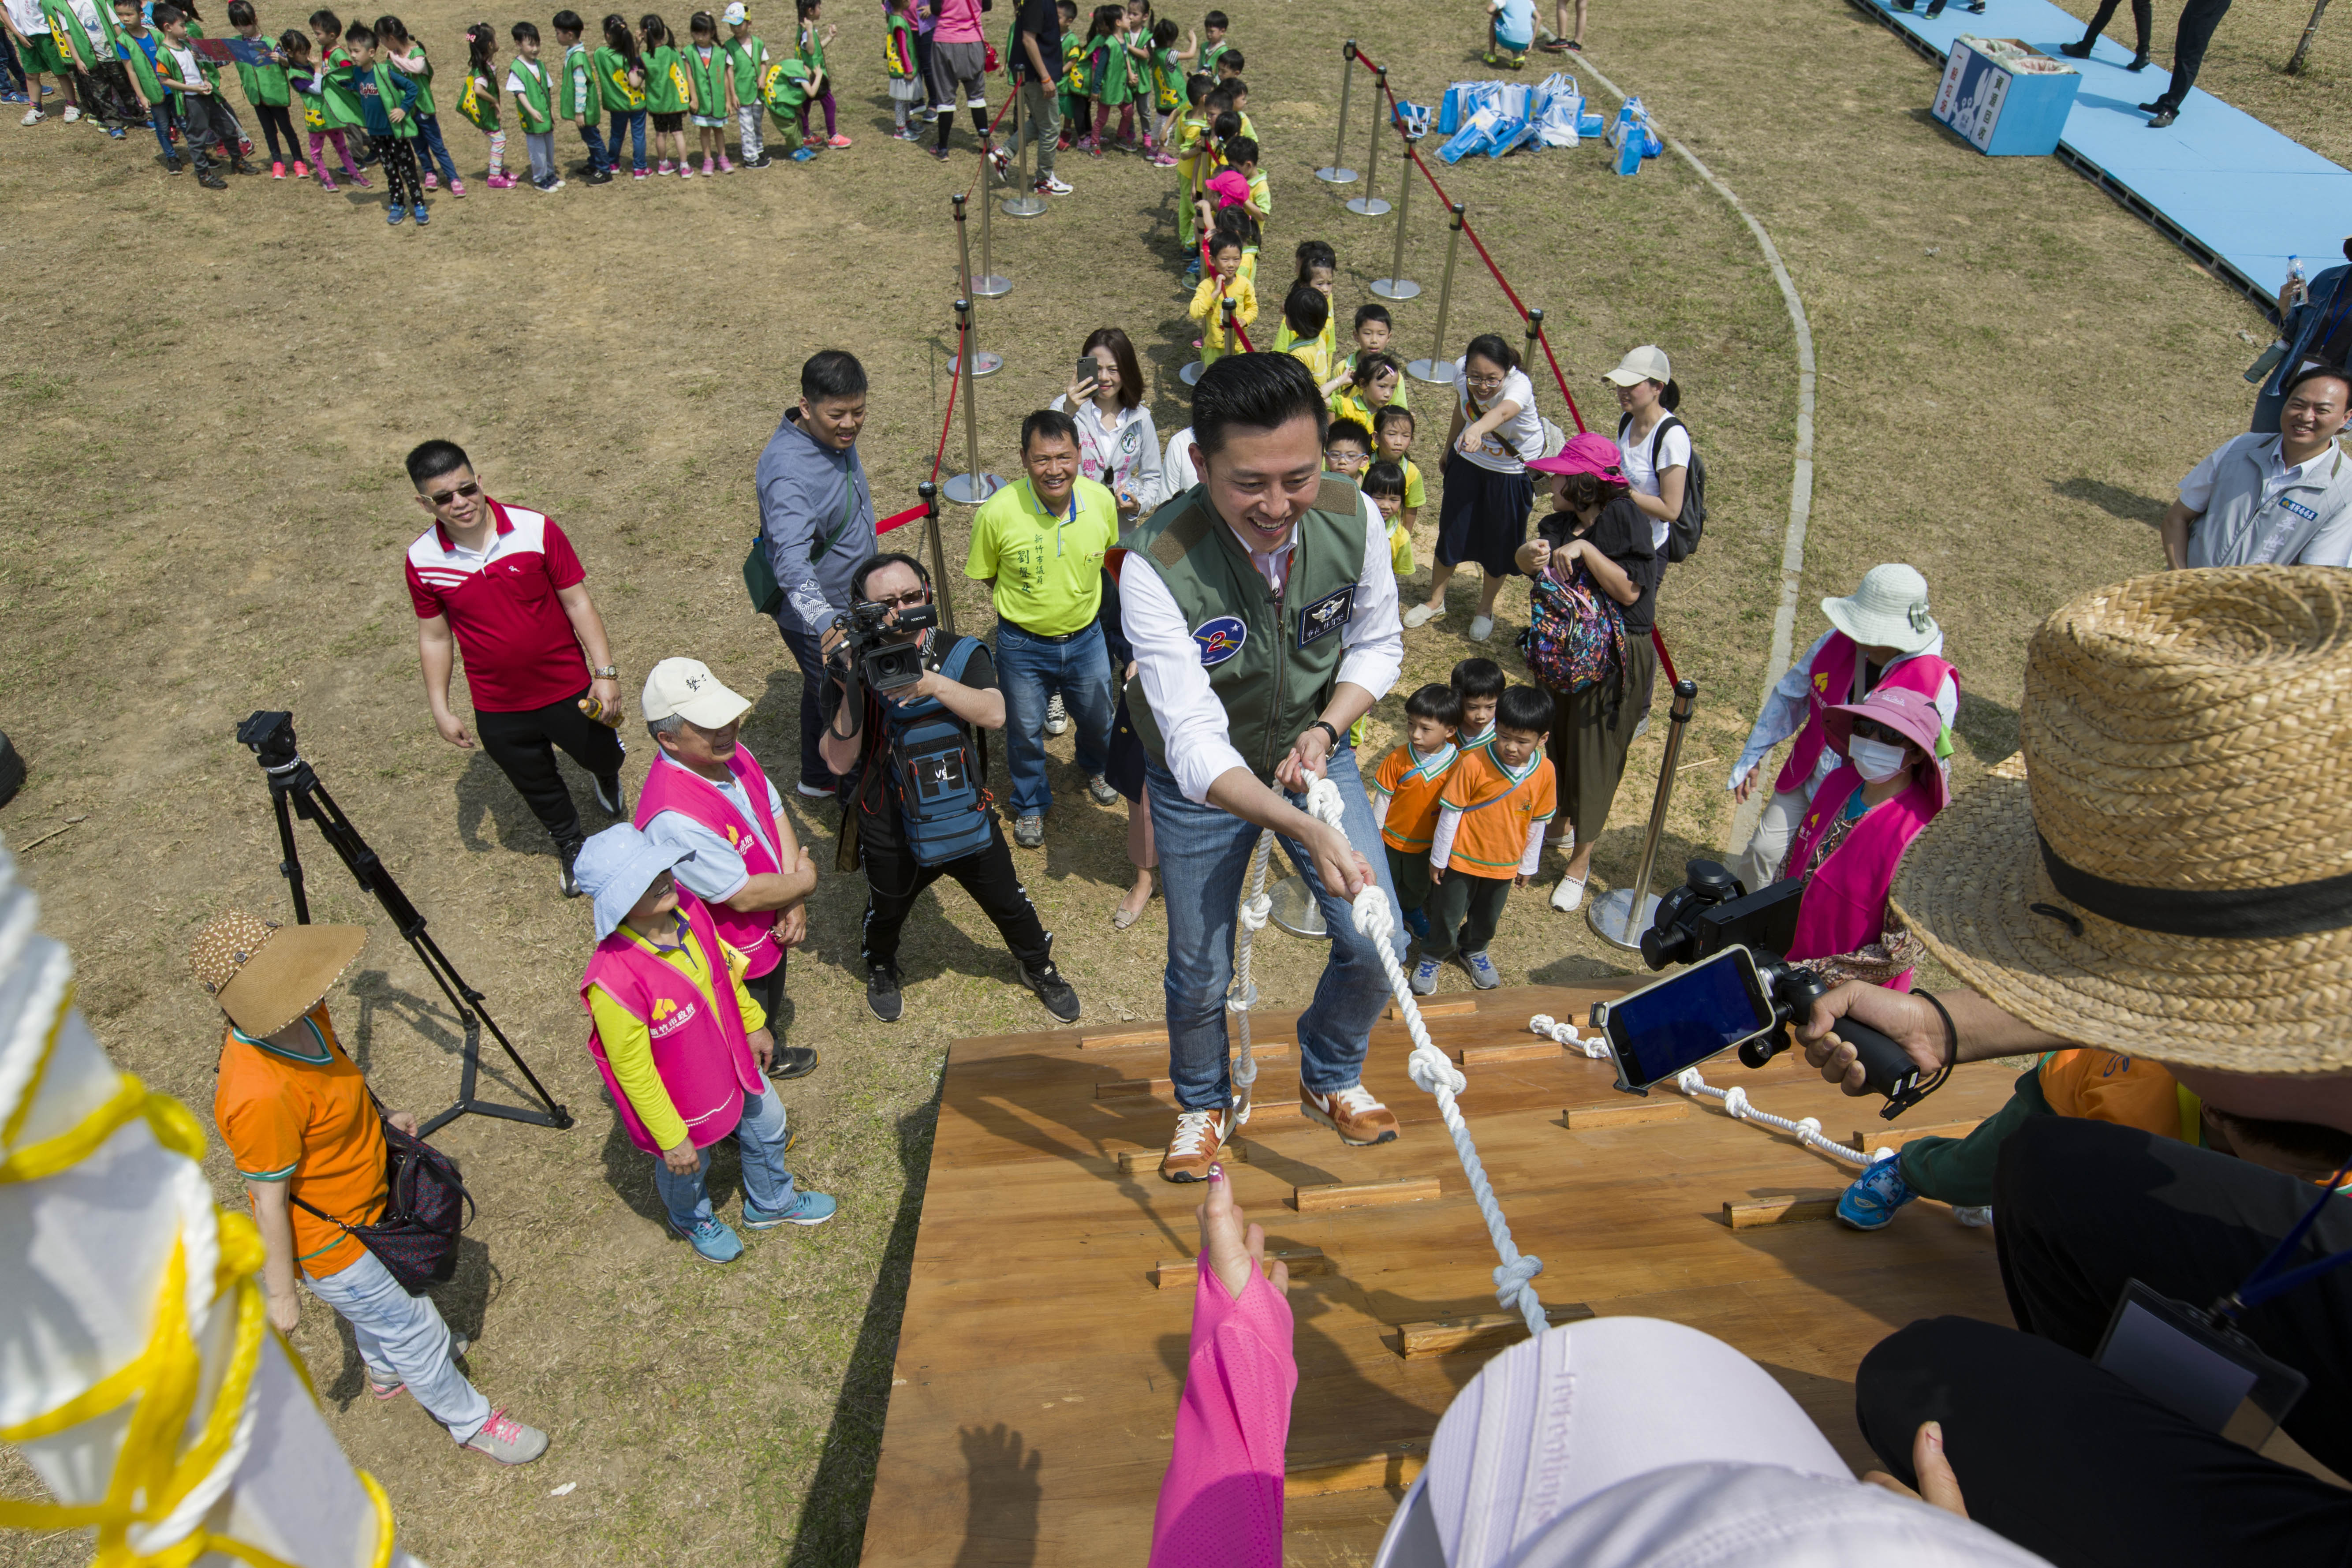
(1576, 633)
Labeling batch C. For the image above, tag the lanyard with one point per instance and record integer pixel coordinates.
(2272, 1278)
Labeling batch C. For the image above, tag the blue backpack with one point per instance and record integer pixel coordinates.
(943, 808)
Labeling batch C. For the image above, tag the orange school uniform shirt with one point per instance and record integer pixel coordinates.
(313, 1125)
(1497, 811)
(1413, 783)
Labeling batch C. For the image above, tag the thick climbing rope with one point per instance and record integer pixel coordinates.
(1808, 1132)
(1254, 909)
(1438, 1078)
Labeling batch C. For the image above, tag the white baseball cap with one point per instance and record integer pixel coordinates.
(1647, 363)
(735, 13)
(687, 689)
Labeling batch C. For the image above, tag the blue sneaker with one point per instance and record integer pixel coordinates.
(713, 1241)
(808, 1208)
(114, 133)
(397, 214)
(419, 210)
(1482, 973)
(804, 155)
(1424, 977)
(1417, 923)
(1875, 1195)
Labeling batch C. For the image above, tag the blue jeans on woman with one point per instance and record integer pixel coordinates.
(1205, 855)
(1030, 669)
(759, 1138)
(635, 119)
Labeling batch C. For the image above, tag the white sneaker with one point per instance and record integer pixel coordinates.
(1568, 894)
(32, 117)
(1047, 184)
(1974, 1218)
(1481, 627)
(1057, 718)
(1421, 614)
(73, 112)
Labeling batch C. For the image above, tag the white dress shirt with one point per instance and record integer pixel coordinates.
(1193, 725)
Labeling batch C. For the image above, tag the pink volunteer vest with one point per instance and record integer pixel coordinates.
(700, 1045)
(1829, 684)
(669, 787)
(1845, 907)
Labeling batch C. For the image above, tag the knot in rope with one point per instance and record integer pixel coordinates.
(1372, 914)
(1735, 1100)
(1810, 1127)
(1245, 1069)
(1324, 803)
(1430, 1071)
(1255, 911)
(1689, 1080)
(1510, 1278)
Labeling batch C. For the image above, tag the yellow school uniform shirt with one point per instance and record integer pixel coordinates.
(1497, 809)
(1400, 549)
(1048, 568)
(1211, 316)
(1309, 351)
(1413, 783)
(1350, 403)
(1415, 493)
(629, 1044)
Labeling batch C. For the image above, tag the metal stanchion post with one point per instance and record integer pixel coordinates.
(972, 487)
(1191, 374)
(1396, 285)
(1437, 369)
(987, 285)
(1620, 917)
(982, 362)
(1369, 205)
(1535, 332)
(1024, 202)
(1336, 175)
(929, 493)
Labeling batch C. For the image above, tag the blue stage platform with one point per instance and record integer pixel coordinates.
(2233, 193)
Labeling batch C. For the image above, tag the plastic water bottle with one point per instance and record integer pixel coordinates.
(2298, 286)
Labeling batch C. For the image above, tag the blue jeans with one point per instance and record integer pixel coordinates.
(158, 121)
(403, 1340)
(635, 120)
(1205, 855)
(1030, 669)
(760, 1138)
(598, 159)
(431, 151)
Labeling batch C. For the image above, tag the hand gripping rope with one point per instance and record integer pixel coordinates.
(1437, 1077)
(1808, 1132)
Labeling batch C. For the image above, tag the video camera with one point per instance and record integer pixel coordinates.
(883, 653)
(1740, 991)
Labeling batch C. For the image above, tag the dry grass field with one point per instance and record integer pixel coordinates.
(208, 394)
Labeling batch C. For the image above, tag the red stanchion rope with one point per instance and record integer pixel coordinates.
(1012, 91)
(899, 520)
(963, 332)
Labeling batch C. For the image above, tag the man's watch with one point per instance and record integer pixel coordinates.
(1325, 725)
(606, 672)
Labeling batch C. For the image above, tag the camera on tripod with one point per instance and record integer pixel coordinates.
(1740, 991)
(883, 652)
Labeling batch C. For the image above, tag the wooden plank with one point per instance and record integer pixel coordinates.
(1865, 1139)
(1327, 1195)
(1394, 1468)
(1305, 1262)
(1478, 1331)
(1129, 1038)
(1436, 1009)
(1626, 1113)
(1780, 1208)
(1134, 1087)
(1524, 1051)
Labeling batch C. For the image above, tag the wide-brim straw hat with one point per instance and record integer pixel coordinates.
(2171, 877)
(264, 975)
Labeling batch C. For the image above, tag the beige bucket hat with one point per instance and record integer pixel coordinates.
(2171, 877)
(264, 975)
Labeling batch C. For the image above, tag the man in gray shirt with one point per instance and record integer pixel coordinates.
(816, 516)
(2278, 500)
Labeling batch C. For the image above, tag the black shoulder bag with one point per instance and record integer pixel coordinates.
(426, 1205)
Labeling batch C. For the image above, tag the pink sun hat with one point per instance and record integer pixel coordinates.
(1588, 453)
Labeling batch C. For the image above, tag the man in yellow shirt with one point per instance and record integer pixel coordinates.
(1039, 545)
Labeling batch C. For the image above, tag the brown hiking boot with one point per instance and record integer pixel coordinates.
(1352, 1112)
(1200, 1137)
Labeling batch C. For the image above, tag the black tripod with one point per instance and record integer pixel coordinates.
(270, 737)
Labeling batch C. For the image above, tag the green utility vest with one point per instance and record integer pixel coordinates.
(1272, 659)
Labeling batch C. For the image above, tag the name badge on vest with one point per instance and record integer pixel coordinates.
(2303, 511)
(1325, 615)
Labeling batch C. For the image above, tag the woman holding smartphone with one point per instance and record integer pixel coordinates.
(1118, 446)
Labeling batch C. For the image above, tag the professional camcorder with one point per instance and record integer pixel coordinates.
(883, 653)
(1739, 991)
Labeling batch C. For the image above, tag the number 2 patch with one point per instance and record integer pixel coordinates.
(1325, 615)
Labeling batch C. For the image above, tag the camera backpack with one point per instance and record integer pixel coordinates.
(942, 809)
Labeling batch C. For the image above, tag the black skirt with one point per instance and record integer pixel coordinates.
(1482, 517)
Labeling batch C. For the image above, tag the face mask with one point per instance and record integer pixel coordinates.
(1875, 760)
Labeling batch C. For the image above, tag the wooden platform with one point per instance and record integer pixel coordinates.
(1039, 1364)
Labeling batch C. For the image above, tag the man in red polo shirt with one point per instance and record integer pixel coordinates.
(501, 587)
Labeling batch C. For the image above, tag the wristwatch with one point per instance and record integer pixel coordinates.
(606, 672)
(1325, 725)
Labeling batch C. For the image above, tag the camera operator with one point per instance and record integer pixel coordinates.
(919, 737)
(2113, 906)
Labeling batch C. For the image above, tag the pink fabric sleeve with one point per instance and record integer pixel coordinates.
(1221, 1500)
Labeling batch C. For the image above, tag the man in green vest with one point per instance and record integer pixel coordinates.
(1262, 611)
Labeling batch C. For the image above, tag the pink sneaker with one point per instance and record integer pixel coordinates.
(326, 180)
(301, 169)
(724, 166)
(277, 170)
(432, 182)
(500, 182)
(638, 174)
(838, 141)
(354, 177)
(664, 168)
(456, 188)
(707, 169)
(686, 171)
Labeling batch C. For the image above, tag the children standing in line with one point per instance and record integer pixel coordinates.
(532, 88)
(479, 101)
(577, 99)
(666, 94)
(1393, 441)
(1480, 683)
(1192, 149)
(266, 89)
(1384, 483)
(706, 73)
(1490, 838)
(1373, 334)
(898, 61)
(814, 37)
(407, 56)
(1225, 283)
(1406, 789)
(388, 101)
(747, 67)
(621, 78)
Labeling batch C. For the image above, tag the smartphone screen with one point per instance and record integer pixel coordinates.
(1678, 1022)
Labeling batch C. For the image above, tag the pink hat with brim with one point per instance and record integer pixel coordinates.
(1586, 454)
(1911, 714)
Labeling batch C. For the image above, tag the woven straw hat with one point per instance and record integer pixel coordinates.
(2172, 875)
(266, 975)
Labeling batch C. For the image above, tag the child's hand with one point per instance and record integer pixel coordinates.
(400, 117)
(1519, 881)
(1436, 875)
